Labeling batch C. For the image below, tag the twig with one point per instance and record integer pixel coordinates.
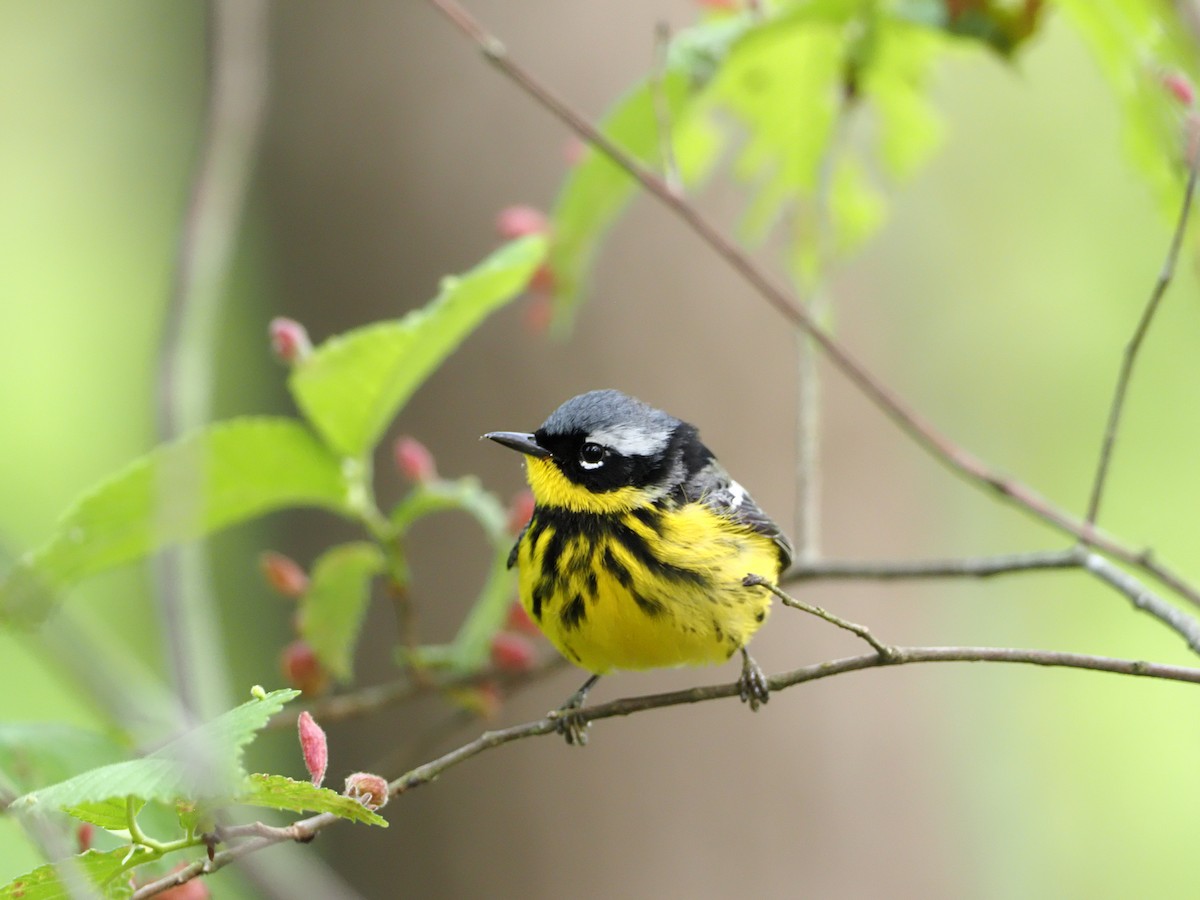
(1131, 349)
(236, 87)
(1173, 617)
(920, 430)
(662, 108)
(788, 600)
(259, 836)
(974, 567)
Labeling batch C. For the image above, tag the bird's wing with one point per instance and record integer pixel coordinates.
(712, 485)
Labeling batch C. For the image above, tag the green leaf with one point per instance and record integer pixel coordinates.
(227, 473)
(470, 647)
(203, 764)
(36, 753)
(279, 792)
(332, 609)
(465, 494)
(78, 876)
(597, 190)
(353, 385)
(1133, 41)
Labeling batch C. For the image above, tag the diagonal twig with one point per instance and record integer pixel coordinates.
(1166, 273)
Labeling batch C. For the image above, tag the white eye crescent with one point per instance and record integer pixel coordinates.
(591, 456)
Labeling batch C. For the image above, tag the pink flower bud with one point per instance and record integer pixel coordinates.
(303, 670)
(512, 652)
(518, 221)
(83, 836)
(314, 747)
(283, 574)
(1179, 86)
(538, 313)
(195, 889)
(369, 790)
(520, 511)
(518, 621)
(289, 340)
(574, 150)
(413, 460)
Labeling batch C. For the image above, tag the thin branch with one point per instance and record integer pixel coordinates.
(919, 429)
(258, 836)
(1135, 343)
(972, 567)
(788, 600)
(1174, 618)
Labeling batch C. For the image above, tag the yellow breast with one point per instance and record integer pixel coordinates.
(615, 585)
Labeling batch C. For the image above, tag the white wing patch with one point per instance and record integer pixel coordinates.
(630, 440)
(737, 494)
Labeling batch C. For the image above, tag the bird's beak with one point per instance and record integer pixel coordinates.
(516, 440)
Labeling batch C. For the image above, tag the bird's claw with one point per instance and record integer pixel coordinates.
(572, 726)
(752, 686)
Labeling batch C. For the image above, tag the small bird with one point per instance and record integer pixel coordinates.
(639, 546)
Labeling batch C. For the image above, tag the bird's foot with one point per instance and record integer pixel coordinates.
(752, 686)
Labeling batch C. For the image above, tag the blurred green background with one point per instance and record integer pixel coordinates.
(997, 299)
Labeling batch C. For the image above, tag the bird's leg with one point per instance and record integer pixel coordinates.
(752, 686)
(570, 725)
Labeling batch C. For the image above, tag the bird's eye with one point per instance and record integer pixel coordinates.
(591, 455)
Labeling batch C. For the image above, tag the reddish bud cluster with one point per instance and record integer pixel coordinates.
(303, 670)
(314, 747)
(83, 836)
(369, 790)
(283, 574)
(289, 340)
(513, 652)
(413, 460)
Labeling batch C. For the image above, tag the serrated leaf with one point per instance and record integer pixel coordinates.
(203, 764)
(72, 878)
(227, 473)
(332, 609)
(353, 385)
(111, 815)
(280, 792)
(36, 753)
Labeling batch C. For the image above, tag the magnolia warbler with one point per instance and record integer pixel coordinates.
(639, 544)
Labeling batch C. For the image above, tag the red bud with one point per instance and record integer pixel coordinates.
(303, 670)
(518, 621)
(538, 313)
(414, 460)
(189, 890)
(289, 340)
(83, 836)
(518, 221)
(512, 652)
(574, 150)
(1179, 86)
(314, 747)
(369, 790)
(283, 574)
(520, 511)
